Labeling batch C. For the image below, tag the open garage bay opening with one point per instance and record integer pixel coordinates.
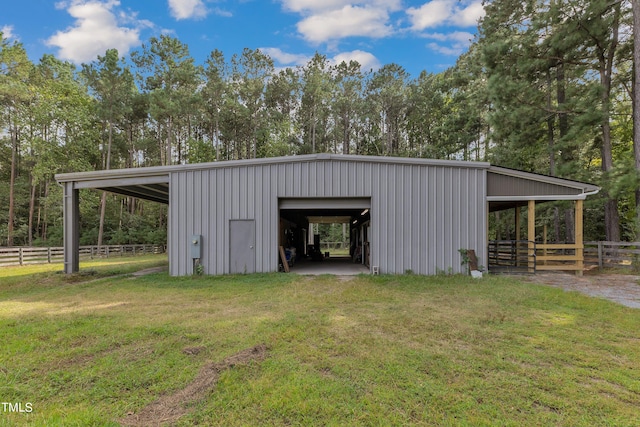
(326, 235)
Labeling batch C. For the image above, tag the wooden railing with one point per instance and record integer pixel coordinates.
(512, 256)
(612, 254)
(559, 257)
(33, 255)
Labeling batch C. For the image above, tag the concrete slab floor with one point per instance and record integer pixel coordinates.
(338, 266)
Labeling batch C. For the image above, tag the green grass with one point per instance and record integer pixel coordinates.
(374, 350)
(37, 276)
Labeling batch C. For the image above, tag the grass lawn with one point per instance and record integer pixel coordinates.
(372, 350)
(95, 268)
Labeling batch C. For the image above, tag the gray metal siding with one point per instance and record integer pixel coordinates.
(505, 185)
(420, 214)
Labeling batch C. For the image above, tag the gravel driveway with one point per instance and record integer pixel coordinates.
(621, 288)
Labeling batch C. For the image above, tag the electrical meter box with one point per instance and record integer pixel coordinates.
(196, 246)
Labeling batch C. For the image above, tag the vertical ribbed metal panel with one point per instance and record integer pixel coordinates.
(420, 214)
(504, 185)
(376, 208)
(196, 194)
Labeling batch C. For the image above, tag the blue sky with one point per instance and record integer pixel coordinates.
(416, 34)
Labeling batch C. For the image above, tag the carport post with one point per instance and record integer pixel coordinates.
(531, 234)
(71, 212)
(517, 225)
(579, 233)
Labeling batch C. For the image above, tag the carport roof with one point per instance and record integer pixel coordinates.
(509, 188)
(505, 187)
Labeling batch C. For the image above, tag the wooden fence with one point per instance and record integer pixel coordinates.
(517, 256)
(612, 254)
(511, 256)
(32, 255)
(596, 254)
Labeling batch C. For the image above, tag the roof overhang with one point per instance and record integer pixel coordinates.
(146, 185)
(510, 188)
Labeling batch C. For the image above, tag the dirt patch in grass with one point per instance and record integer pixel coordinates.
(146, 271)
(621, 288)
(169, 408)
(193, 351)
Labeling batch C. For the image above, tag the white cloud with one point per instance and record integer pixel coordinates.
(187, 9)
(96, 29)
(366, 60)
(457, 36)
(430, 14)
(222, 12)
(345, 22)
(331, 20)
(445, 50)
(7, 32)
(453, 44)
(285, 58)
(469, 16)
(315, 6)
(445, 12)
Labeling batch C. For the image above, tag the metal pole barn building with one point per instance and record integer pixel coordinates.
(404, 214)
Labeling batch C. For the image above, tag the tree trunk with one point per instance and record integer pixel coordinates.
(32, 209)
(103, 202)
(611, 214)
(551, 132)
(345, 133)
(255, 142)
(313, 131)
(12, 184)
(169, 141)
(45, 216)
(569, 224)
(561, 96)
(38, 227)
(635, 4)
(214, 141)
(121, 214)
(103, 207)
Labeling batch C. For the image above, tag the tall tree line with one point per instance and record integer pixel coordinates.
(547, 86)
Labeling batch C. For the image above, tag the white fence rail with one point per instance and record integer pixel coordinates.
(33, 255)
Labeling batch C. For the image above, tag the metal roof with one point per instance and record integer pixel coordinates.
(504, 186)
(165, 170)
(564, 182)
(152, 183)
(510, 188)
